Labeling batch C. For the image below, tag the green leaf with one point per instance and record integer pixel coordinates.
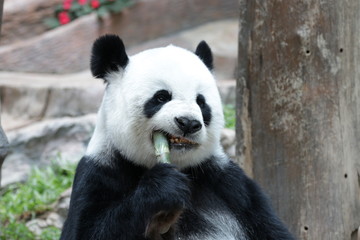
(15, 230)
(87, 9)
(75, 6)
(43, 187)
(102, 11)
(59, 8)
(79, 13)
(50, 233)
(230, 116)
(84, 10)
(119, 5)
(51, 22)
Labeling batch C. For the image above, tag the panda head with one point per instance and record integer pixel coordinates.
(168, 89)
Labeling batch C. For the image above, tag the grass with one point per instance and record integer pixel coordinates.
(24, 201)
(230, 116)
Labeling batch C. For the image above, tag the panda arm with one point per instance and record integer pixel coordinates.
(250, 205)
(115, 204)
(97, 209)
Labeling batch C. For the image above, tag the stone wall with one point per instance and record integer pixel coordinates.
(23, 19)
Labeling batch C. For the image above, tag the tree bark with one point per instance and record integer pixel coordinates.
(299, 61)
(1, 12)
(4, 145)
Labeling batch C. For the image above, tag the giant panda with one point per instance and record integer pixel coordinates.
(121, 190)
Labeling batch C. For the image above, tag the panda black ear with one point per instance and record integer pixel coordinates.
(107, 55)
(203, 51)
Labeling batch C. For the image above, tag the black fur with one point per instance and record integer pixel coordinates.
(203, 51)
(154, 104)
(205, 109)
(119, 201)
(108, 55)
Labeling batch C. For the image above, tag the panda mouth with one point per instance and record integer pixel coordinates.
(175, 140)
(178, 142)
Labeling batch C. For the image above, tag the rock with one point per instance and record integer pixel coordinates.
(39, 143)
(23, 19)
(56, 217)
(27, 98)
(23, 102)
(4, 148)
(55, 51)
(228, 141)
(37, 225)
(61, 207)
(220, 35)
(227, 90)
(73, 102)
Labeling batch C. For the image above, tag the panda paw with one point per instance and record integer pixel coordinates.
(166, 188)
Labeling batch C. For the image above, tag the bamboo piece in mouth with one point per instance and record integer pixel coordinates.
(162, 150)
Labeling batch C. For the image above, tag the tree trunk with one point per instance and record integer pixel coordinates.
(300, 62)
(4, 145)
(1, 12)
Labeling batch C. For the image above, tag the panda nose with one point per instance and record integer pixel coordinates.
(188, 125)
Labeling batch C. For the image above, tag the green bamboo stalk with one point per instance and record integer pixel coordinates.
(162, 150)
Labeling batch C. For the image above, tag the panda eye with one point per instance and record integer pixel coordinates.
(200, 100)
(162, 96)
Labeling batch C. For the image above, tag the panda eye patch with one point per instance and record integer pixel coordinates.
(162, 96)
(155, 103)
(205, 109)
(200, 100)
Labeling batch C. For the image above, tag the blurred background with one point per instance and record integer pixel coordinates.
(290, 69)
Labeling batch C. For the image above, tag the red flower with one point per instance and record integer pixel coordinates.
(64, 18)
(82, 2)
(67, 4)
(95, 3)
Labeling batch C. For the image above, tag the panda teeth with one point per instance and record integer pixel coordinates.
(179, 140)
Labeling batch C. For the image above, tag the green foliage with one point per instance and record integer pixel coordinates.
(50, 233)
(70, 10)
(24, 201)
(230, 116)
(51, 22)
(15, 230)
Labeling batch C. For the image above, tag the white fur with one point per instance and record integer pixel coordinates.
(123, 125)
(225, 225)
